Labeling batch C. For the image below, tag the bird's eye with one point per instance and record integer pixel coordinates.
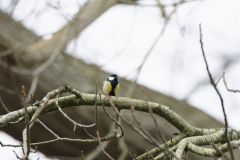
(111, 78)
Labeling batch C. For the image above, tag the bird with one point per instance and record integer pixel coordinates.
(111, 86)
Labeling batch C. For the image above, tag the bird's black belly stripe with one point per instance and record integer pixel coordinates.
(114, 84)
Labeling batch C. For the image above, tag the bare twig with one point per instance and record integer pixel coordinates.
(116, 122)
(100, 143)
(32, 88)
(218, 80)
(82, 156)
(130, 123)
(225, 84)
(165, 149)
(132, 87)
(13, 6)
(154, 119)
(219, 151)
(106, 138)
(153, 140)
(41, 108)
(162, 8)
(89, 134)
(59, 9)
(221, 99)
(7, 90)
(26, 131)
(16, 155)
(8, 145)
(36, 150)
(96, 114)
(43, 103)
(144, 134)
(133, 156)
(1, 102)
(15, 85)
(95, 152)
(128, 42)
(71, 120)
(123, 147)
(49, 130)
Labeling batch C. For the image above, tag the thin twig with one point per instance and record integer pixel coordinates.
(225, 84)
(36, 150)
(123, 148)
(95, 152)
(221, 99)
(89, 134)
(1, 102)
(45, 100)
(7, 90)
(82, 156)
(26, 131)
(71, 120)
(153, 140)
(218, 80)
(48, 129)
(59, 9)
(96, 114)
(116, 122)
(165, 150)
(133, 156)
(100, 143)
(147, 55)
(219, 151)
(16, 155)
(147, 137)
(106, 138)
(32, 88)
(9, 145)
(41, 108)
(162, 8)
(154, 119)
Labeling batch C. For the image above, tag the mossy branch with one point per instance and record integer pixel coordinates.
(190, 137)
(120, 102)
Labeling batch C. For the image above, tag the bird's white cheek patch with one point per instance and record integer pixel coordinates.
(111, 78)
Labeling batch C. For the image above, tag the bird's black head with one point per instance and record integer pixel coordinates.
(113, 78)
(113, 75)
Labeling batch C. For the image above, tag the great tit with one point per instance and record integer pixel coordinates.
(111, 86)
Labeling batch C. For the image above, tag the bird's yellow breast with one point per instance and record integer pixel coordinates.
(107, 87)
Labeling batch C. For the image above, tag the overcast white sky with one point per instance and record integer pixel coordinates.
(175, 66)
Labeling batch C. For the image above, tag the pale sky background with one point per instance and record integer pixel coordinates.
(175, 66)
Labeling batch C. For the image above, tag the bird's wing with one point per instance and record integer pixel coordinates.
(117, 88)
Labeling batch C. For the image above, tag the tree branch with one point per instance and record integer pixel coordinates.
(89, 99)
(219, 94)
(195, 135)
